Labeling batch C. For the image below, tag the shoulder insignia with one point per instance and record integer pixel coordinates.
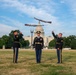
(41, 39)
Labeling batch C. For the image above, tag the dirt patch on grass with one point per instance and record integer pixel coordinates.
(20, 72)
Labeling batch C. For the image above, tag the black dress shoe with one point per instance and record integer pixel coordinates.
(58, 62)
(38, 62)
(15, 61)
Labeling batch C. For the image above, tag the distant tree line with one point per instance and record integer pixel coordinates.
(7, 41)
(69, 42)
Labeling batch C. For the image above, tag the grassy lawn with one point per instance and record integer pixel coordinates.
(27, 64)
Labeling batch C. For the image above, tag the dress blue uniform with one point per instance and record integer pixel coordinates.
(38, 45)
(59, 45)
(16, 46)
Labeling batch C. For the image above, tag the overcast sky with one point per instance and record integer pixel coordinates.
(15, 13)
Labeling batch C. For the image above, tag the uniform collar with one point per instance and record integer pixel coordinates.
(38, 36)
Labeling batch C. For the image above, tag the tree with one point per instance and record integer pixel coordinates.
(69, 41)
(66, 42)
(52, 44)
(1, 42)
(27, 43)
(73, 44)
(8, 40)
(5, 39)
(23, 42)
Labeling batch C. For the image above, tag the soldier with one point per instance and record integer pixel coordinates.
(16, 45)
(38, 45)
(59, 45)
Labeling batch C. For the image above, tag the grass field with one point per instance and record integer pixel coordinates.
(27, 64)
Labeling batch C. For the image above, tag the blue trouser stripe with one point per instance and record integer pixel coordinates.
(15, 57)
(38, 55)
(58, 55)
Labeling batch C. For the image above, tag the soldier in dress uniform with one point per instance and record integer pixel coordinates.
(38, 45)
(59, 45)
(16, 45)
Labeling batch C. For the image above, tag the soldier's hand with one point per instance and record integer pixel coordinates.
(33, 47)
(20, 32)
(58, 48)
(52, 31)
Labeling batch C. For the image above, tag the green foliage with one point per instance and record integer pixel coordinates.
(4, 41)
(1, 42)
(69, 41)
(24, 43)
(8, 40)
(52, 44)
(73, 44)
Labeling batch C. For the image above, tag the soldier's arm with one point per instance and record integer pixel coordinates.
(34, 43)
(54, 35)
(20, 35)
(42, 42)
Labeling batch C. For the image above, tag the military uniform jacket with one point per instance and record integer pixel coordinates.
(59, 41)
(16, 39)
(38, 43)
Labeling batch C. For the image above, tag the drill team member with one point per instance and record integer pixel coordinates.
(38, 45)
(16, 45)
(59, 45)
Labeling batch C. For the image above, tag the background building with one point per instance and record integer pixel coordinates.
(47, 39)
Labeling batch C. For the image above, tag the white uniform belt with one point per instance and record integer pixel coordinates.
(38, 43)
